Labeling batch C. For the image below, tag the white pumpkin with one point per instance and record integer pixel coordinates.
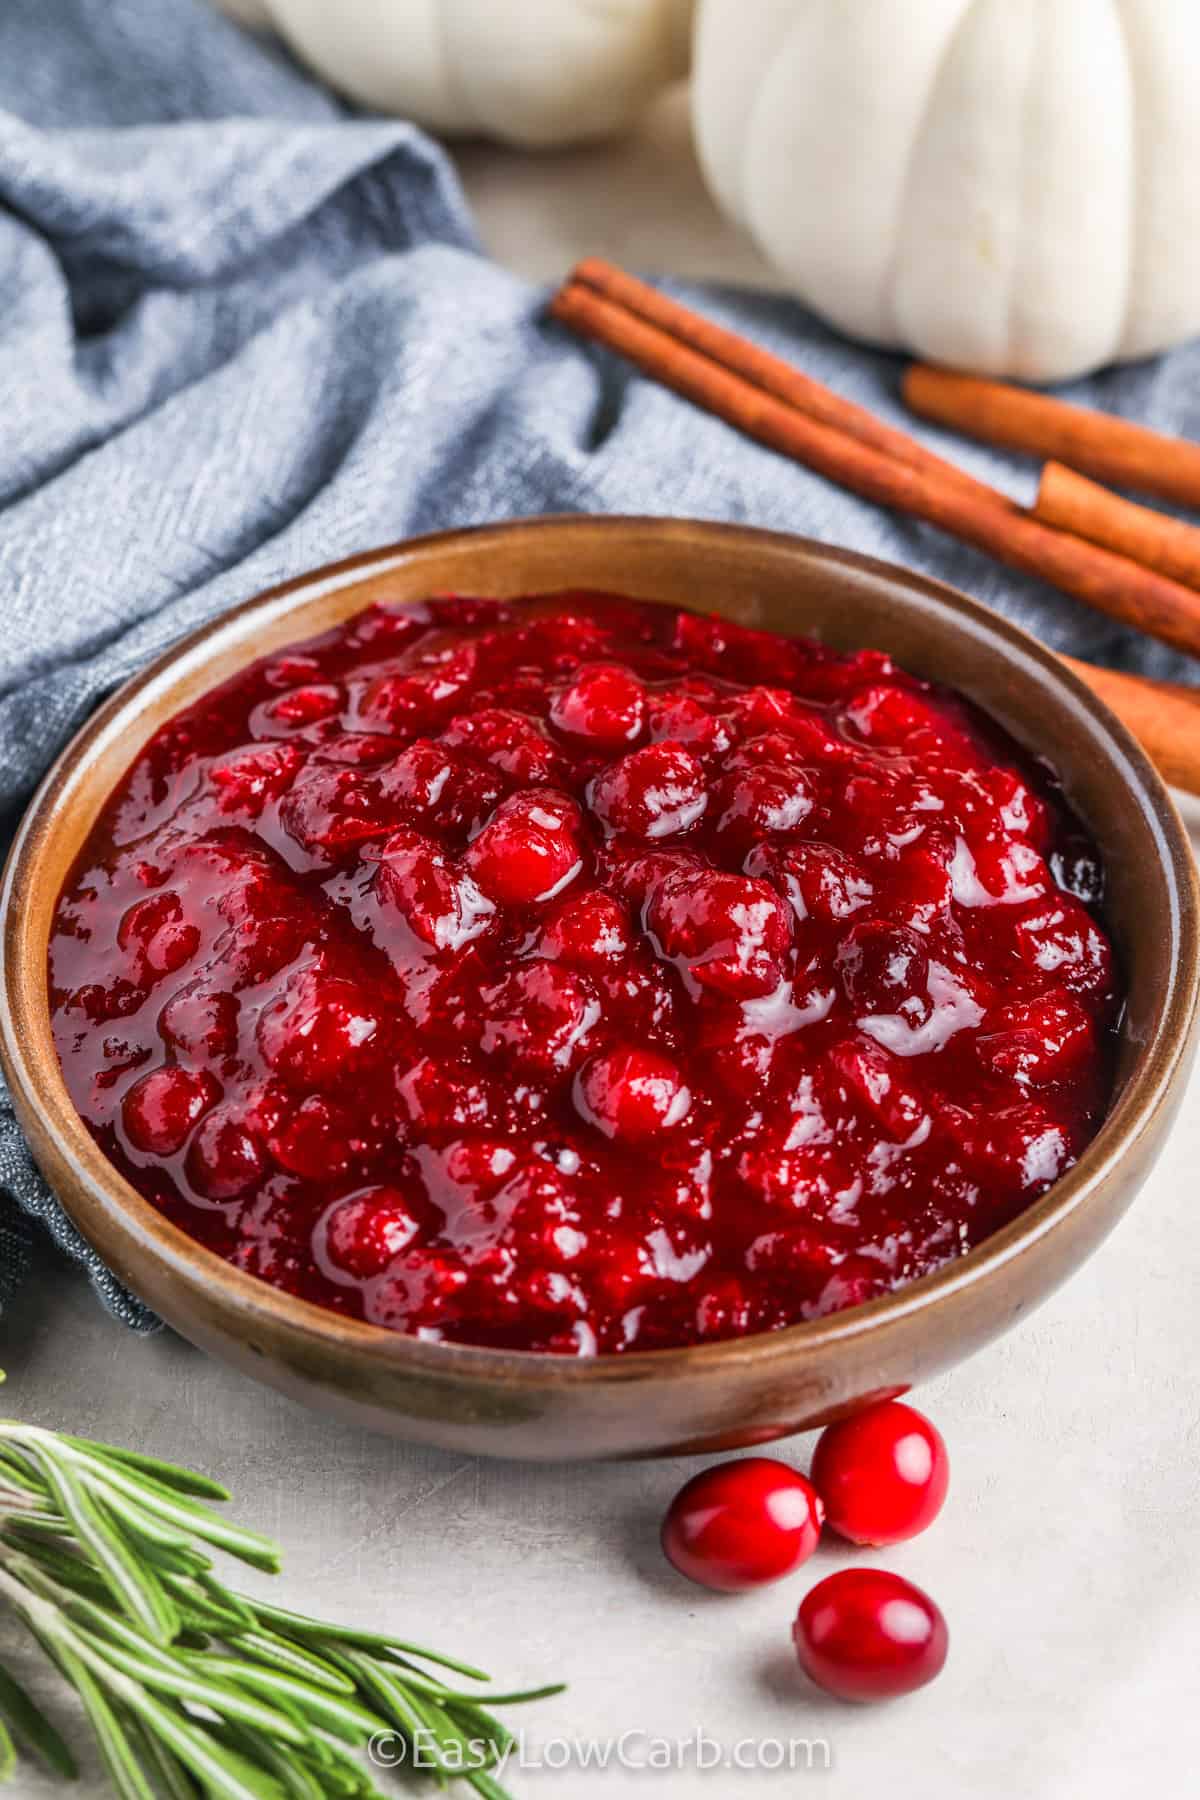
(1008, 186)
(532, 72)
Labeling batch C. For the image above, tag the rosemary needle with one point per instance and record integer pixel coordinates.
(191, 1688)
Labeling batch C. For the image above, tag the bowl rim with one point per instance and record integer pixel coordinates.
(24, 1026)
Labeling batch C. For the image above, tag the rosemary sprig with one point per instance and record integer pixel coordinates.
(191, 1688)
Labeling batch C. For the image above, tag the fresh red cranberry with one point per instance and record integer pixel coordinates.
(727, 932)
(160, 1109)
(604, 707)
(632, 1094)
(742, 1524)
(529, 851)
(439, 903)
(882, 1474)
(653, 793)
(865, 1634)
(322, 1031)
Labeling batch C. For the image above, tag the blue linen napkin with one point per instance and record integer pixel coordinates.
(243, 332)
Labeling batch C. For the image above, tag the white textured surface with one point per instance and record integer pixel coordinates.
(1067, 1560)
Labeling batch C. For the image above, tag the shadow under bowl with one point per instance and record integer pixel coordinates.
(655, 1402)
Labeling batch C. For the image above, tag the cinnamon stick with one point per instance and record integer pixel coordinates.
(1162, 715)
(770, 373)
(1100, 444)
(1112, 584)
(1071, 502)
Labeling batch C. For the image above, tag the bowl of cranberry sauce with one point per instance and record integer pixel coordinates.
(583, 975)
(742, 1021)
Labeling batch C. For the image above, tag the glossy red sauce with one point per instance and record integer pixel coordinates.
(582, 975)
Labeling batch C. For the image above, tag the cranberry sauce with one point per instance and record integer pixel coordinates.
(581, 975)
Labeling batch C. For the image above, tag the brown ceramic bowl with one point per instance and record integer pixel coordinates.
(739, 1392)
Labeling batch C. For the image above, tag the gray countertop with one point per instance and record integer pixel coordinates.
(1067, 1560)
